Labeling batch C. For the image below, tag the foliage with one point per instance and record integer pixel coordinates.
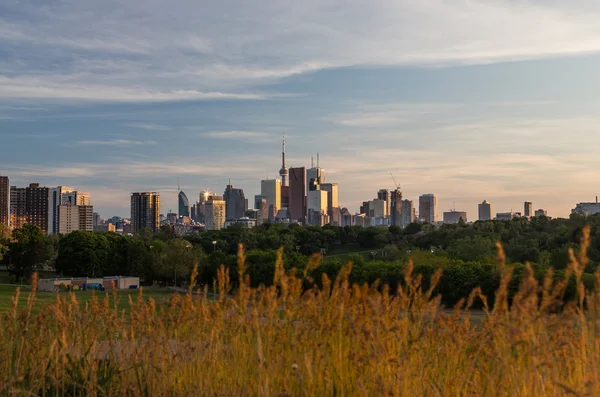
(29, 249)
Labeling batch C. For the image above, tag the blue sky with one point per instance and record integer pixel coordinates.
(471, 100)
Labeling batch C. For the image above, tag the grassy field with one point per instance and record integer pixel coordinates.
(43, 299)
(285, 340)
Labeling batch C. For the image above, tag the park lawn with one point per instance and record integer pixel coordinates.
(160, 295)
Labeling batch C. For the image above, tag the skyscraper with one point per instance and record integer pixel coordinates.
(297, 205)
(408, 212)
(36, 206)
(315, 173)
(485, 211)
(145, 211)
(18, 204)
(4, 200)
(184, 204)
(54, 200)
(76, 197)
(260, 203)
(215, 213)
(396, 207)
(270, 189)
(428, 208)
(384, 194)
(528, 213)
(316, 204)
(235, 202)
(332, 198)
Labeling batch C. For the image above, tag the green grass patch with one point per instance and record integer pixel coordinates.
(160, 295)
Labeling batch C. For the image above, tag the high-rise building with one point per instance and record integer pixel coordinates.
(485, 211)
(297, 206)
(4, 200)
(96, 221)
(347, 218)
(36, 206)
(316, 204)
(396, 207)
(235, 202)
(270, 189)
(428, 211)
(18, 204)
(75, 197)
(408, 212)
(384, 195)
(86, 218)
(540, 212)
(316, 174)
(184, 204)
(55, 199)
(260, 203)
(528, 210)
(455, 216)
(75, 217)
(145, 211)
(332, 200)
(215, 213)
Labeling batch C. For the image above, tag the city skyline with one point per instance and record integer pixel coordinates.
(474, 111)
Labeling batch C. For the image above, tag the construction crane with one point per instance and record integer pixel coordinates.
(395, 183)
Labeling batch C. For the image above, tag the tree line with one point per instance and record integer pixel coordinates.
(467, 253)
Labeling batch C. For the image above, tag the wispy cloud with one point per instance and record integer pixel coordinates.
(115, 142)
(148, 127)
(109, 50)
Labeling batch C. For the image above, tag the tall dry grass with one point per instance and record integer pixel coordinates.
(285, 340)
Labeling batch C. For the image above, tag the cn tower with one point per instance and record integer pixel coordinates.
(283, 172)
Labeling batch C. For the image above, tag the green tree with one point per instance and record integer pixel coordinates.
(4, 239)
(84, 254)
(29, 249)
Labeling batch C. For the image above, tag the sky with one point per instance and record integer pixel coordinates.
(468, 99)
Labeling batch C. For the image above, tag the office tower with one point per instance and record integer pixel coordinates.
(18, 204)
(316, 204)
(145, 211)
(332, 199)
(384, 195)
(364, 208)
(408, 212)
(485, 211)
(235, 202)
(270, 189)
(57, 196)
(347, 218)
(36, 206)
(184, 204)
(215, 213)
(68, 218)
(428, 208)
(96, 221)
(297, 206)
(396, 207)
(314, 173)
(4, 200)
(377, 208)
(455, 216)
(260, 203)
(528, 213)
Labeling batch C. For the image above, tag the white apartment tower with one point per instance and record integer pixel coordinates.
(485, 211)
(215, 213)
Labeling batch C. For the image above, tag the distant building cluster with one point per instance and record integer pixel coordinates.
(302, 195)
